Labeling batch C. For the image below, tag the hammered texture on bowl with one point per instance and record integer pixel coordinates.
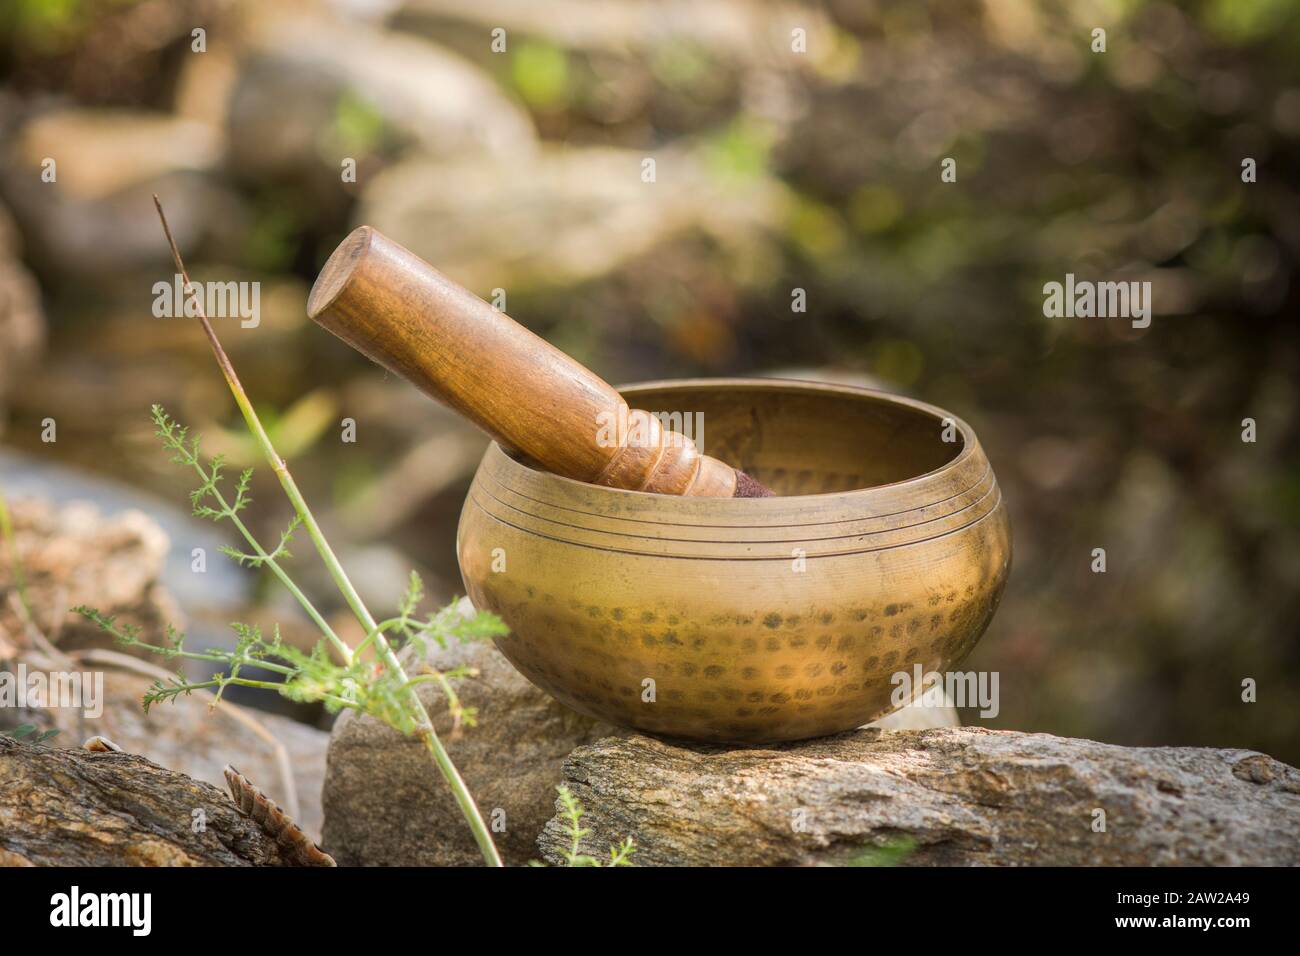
(748, 620)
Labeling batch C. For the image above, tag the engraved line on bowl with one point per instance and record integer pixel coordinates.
(757, 541)
(988, 468)
(729, 557)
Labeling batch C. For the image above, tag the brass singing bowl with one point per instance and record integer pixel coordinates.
(748, 620)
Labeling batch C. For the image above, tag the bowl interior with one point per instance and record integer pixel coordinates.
(805, 441)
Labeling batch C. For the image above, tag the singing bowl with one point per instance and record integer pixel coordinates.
(754, 620)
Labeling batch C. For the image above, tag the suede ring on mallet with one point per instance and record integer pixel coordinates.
(392, 306)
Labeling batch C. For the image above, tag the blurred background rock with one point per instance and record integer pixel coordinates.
(521, 171)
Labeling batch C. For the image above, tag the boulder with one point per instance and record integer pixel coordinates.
(386, 804)
(90, 214)
(71, 554)
(567, 214)
(935, 797)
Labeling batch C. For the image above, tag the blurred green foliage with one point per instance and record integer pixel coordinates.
(49, 25)
(541, 75)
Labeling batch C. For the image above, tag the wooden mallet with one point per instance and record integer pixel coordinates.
(395, 308)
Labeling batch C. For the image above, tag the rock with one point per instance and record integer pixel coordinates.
(418, 92)
(222, 589)
(511, 761)
(96, 219)
(72, 554)
(78, 808)
(964, 796)
(185, 735)
(565, 215)
(22, 320)
(733, 28)
(101, 152)
(386, 804)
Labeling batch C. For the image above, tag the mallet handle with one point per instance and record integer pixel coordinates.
(402, 313)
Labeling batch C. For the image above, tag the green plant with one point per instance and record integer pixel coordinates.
(29, 730)
(333, 672)
(356, 683)
(890, 853)
(573, 812)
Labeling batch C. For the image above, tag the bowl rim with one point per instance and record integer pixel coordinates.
(970, 443)
(936, 504)
(939, 502)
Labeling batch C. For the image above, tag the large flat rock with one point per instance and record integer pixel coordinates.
(961, 796)
(385, 803)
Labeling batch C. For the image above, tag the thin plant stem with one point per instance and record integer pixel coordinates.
(283, 576)
(424, 724)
